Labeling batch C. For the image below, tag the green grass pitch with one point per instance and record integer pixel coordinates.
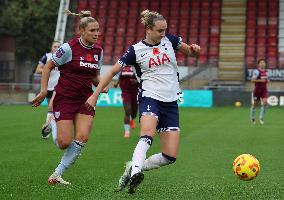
(210, 140)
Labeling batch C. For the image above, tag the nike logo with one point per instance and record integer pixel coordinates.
(136, 166)
(142, 55)
(163, 45)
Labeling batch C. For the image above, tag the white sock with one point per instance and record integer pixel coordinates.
(156, 161)
(48, 116)
(139, 154)
(54, 131)
(126, 128)
(252, 113)
(262, 111)
(70, 156)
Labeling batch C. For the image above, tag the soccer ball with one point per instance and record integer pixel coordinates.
(246, 167)
(238, 104)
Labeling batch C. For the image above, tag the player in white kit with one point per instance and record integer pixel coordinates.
(156, 69)
(52, 82)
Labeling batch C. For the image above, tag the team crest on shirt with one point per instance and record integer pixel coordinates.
(57, 115)
(59, 53)
(96, 57)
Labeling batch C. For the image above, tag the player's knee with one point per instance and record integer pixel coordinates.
(63, 143)
(170, 159)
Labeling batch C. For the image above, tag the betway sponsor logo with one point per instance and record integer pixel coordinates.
(90, 65)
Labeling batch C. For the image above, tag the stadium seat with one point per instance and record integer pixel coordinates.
(119, 41)
(262, 31)
(103, 5)
(122, 27)
(250, 51)
(144, 5)
(82, 5)
(120, 31)
(107, 59)
(250, 62)
(154, 5)
(109, 40)
(113, 5)
(94, 4)
(272, 63)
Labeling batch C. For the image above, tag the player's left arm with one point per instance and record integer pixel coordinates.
(192, 50)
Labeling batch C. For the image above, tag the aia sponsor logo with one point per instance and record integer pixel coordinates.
(158, 60)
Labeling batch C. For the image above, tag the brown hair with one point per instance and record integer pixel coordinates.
(148, 18)
(261, 59)
(85, 16)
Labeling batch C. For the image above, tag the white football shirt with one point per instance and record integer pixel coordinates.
(54, 74)
(155, 67)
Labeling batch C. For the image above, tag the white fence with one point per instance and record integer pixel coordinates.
(17, 93)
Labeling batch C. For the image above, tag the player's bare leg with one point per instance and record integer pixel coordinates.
(169, 148)
(127, 111)
(169, 143)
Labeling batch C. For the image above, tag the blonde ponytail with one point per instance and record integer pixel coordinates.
(148, 18)
(85, 16)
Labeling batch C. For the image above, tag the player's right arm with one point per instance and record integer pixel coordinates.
(44, 82)
(129, 58)
(39, 68)
(92, 100)
(62, 56)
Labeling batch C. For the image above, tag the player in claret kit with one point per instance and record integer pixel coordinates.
(129, 90)
(155, 64)
(260, 92)
(79, 62)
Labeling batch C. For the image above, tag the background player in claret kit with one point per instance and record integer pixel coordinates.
(260, 92)
(52, 81)
(156, 66)
(129, 90)
(79, 62)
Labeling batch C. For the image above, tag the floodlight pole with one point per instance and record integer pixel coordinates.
(61, 21)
